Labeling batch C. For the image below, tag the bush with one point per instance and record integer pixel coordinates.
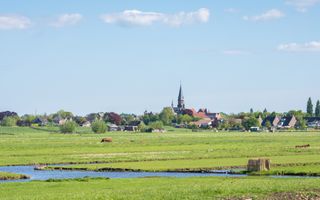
(156, 125)
(68, 127)
(9, 121)
(99, 126)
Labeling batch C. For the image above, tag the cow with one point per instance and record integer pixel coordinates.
(302, 146)
(108, 139)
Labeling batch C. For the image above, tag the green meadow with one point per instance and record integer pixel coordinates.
(175, 150)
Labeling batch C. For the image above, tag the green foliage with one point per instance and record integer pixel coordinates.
(184, 119)
(149, 117)
(9, 121)
(68, 127)
(301, 123)
(268, 124)
(142, 127)
(166, 116)
(250, 122)
(99, 126)
(64, 114)
(156, 125)
(310, 107)
(317, 110)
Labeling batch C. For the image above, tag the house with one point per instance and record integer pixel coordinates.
(288, 122)
(113, 127)
(132, 126)
(202, 123)
(313, 122)
(86, 124)
(274, 121)
(40, 121)
(60, 121)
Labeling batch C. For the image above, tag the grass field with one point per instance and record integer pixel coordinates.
(163, 188)
(174, 150)
(11, 176)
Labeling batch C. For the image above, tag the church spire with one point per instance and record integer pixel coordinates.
(181, 99)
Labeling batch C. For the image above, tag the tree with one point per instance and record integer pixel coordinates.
(64, 114)
(251, 110)
(80, 120)
(250, 122)
(310, 107)
(184, 119)
(268, 124)
(142, 127)
(9, 121)
(113, 118)
(7, 114)
(156, 125)
(301, 123)
(68, 127)
(317, 110)
(99, 126)
(166, 116)
(149, 117)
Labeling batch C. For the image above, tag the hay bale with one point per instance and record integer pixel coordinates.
(108, 139)
(258, 165)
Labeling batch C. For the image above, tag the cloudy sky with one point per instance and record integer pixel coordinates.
(129, 56)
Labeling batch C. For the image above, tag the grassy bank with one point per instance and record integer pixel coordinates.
(12, 176)
(162, 188)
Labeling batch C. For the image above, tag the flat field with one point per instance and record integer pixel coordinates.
(174, 150)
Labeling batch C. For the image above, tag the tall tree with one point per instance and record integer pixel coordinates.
(310, 107)
(166, 116)
(317, 110)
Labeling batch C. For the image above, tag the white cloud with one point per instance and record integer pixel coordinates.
(268, 15)
(235, 52)
(231, 10)
(295, 47)
(302, 5)
(67, 20)
(8, 22)
(140, 18)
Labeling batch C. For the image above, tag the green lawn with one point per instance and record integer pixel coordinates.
(162, 188)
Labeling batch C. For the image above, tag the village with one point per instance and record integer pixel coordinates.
(178, 117)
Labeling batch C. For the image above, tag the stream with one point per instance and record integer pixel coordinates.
(67, 174)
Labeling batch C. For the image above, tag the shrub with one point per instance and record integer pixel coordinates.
(156, 125)
(99, 126)
(68, 127)
(9, 121)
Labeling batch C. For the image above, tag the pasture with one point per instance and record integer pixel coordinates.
(176, 150)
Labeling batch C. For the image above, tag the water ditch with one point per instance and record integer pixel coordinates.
(43, 175)
(71, 174)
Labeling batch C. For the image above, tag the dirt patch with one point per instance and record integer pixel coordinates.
(314, 195)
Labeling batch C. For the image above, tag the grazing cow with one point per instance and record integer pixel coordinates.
(302, 146)
(108, 139)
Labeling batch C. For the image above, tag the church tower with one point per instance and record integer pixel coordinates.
(181, 105)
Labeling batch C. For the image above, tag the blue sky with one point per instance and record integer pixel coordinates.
(130, 56)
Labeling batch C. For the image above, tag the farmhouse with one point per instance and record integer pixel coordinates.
(313, 122)
(287, 122)
(203, 123)
(40, 121)
(86, 124)
(274, 121)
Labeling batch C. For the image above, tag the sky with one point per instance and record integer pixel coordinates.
(131, 56)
